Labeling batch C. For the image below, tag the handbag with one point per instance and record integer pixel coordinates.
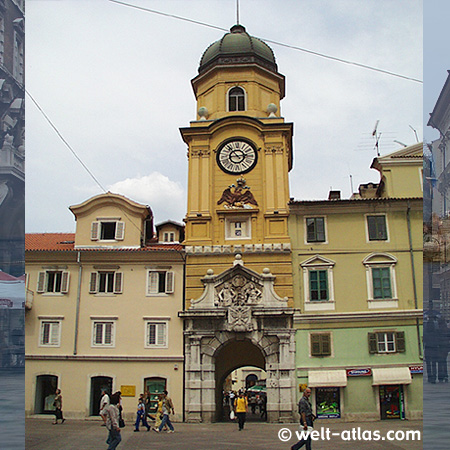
(232, 416)
(121, 423)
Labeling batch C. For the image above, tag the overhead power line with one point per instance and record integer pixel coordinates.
(294, 47)
(65, 142)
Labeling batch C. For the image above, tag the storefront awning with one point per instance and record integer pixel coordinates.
(391, 375)
(327, 378)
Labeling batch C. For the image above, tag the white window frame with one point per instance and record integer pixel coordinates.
(94, 282)
(315, 263)
(366, 224)
(245, 99)
(42, 282)
(385, 341)
(103, 321)
(153, 280)
(230, 226)
(159, 323)
(96, 230)
(169, 237)
(54, 323)
(379, 261)
(325, 226)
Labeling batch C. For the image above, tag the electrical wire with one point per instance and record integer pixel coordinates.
(294, 47)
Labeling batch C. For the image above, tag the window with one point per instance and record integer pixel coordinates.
(18, 61)
(318, 285)
(160, 282)
(381, 284)
(237, 228)
(156, 334)
(108, 230)
(320, 344)
(236, 99)
(377, 229)
(315, 229)
(56, 281)
(106, 282)
(50, 333)
(387, 342)
(103, 334)
(381, 279)
(169, 236)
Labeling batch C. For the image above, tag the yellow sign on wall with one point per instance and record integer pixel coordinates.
(128, 391)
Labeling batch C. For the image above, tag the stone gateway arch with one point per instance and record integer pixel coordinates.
(239, 320)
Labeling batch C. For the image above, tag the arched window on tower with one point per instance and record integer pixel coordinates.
(236, 99)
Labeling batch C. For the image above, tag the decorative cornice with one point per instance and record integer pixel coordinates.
(103, 358)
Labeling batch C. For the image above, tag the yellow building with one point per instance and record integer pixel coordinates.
(238, 262)
(102, 310)
(357, 267)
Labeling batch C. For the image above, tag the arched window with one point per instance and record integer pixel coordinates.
(236, 99)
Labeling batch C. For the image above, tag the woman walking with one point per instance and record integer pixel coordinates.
(57, 403)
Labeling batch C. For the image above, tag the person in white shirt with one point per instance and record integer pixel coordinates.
(104, 403)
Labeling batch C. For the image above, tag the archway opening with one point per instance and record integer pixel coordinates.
(97, 385)
(240, 365)
(45, 394)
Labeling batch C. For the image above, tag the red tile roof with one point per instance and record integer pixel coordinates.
(66, 242)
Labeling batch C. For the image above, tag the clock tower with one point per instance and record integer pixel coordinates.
(239, 294)
(240, 153)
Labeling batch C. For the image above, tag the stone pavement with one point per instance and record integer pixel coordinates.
(89, 435)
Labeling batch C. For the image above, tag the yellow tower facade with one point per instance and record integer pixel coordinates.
(240, 154)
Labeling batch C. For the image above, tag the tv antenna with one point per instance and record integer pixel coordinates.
(237, 12)
(377, 136)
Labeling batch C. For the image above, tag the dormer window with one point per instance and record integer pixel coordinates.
(236, 99)
(107, 230)
(169, 236)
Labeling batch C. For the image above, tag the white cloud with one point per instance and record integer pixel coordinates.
(166, 197)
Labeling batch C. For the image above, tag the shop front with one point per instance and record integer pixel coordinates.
(390, 383)
(327, 392)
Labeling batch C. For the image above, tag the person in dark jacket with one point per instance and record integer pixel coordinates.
(443, 349)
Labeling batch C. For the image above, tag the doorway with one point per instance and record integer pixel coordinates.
(46, 386)
(97, 385)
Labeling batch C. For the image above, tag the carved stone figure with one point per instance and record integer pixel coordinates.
(238, 196)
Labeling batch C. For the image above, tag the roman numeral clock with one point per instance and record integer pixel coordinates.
(237, 156)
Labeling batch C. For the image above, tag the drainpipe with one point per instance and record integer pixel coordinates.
(77, 313)
(411, 253)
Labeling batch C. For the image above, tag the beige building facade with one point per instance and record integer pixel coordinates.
(102, 310)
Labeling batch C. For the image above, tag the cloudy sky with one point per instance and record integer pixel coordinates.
(115, 81)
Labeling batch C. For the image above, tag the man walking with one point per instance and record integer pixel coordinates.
(167, 407)
(104, 403)
(306, 419)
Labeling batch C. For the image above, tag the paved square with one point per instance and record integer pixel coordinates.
(89, 435)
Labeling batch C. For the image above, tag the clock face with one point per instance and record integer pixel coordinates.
(236, 157)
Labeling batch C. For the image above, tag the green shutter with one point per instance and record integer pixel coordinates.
(373, 343)
(400, 341)
(315, 345)
(326, 344)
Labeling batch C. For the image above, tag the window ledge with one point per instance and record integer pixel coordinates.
(162, 294)
(52, 294)
(384, 303)
(320, 306)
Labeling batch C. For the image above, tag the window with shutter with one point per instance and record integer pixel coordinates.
(318, 285)
(41, 281)
(400, 341)
(156, 334)
(320, 344)
(169, 282)
(50, 333)
(65, 282)
(103, 334)
(93, 283)
(160, 282)
(373, 346)
(377, 228)
(120, 231)
(94, 231)
(315, 229)
(118, 283)
(153, 282)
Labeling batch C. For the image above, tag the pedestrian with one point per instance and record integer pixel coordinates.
(57, 403)
(431, 341)
(263, 407)
(104, 402)
(306, 419)
(141, 415)
(231, 397)
(112, 422)
(167, 407)
(241, 409)
(159, 413)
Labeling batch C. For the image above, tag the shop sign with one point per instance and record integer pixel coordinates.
(416, 369)
(128, 390)
(359, 372)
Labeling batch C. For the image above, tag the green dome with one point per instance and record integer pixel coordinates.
(238, 47)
